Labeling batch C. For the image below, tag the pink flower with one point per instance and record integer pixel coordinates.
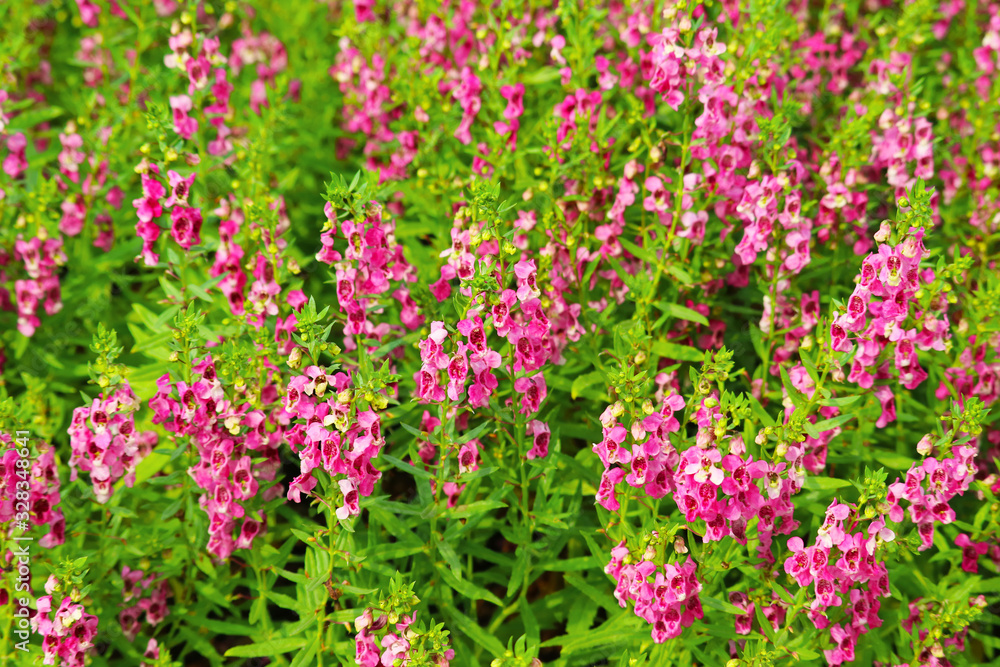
(540, 439)
(350, 507)
(527, 288)
(533, 392)
(473, 330)
(887, 400)
(971, 551)
(186, 226)
(606, 492)
(458, 369)
(184, 125)
(180, 188)
(431, 352)
(798, 564)
(468, 457)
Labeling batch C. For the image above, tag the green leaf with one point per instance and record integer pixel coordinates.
(680, 274)
(683, 313)
(269, 648)
(472, 509)
(757, 342)
(824, 483)
(226, 627)
(200, 293)
(28, 119)
(472, 630)
(678, 352)
(765, 625)
(893, 460)
(782, 593)
(469, 436)
(467, 588)
(840, 402)
(642, 253)
(833, 422)
(798, 398)
(719, 605)
(581, 382)
(759, 411)
(305, 657)
(407, 467)
(596, 596)
(614, 633)
(517, 574)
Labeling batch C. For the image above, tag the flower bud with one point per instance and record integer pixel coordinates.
(638, 432)
(363, 621)
(882, 235)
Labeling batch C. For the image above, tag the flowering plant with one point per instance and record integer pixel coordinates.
(402, 333)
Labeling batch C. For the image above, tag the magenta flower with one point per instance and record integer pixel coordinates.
(186, 226)
(533, 392)
(606, 497)
(527, 288)
(971, 551)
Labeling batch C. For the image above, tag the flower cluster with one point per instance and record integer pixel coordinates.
(667, 597)
(713, 481)
(328, 432)
(775, 613)
(376, 645)
(106, 443)
(843, 568)
(940, 629)
(185, 221)
(685, 237)
(67, 632)
(31, 489)
(878, 311)
(930, 487)
(976, 374)
(226, 437)
(371, 259)
(651, 460)
(41, 259)
(135, 588)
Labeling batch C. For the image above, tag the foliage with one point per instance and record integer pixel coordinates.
(411, 333)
